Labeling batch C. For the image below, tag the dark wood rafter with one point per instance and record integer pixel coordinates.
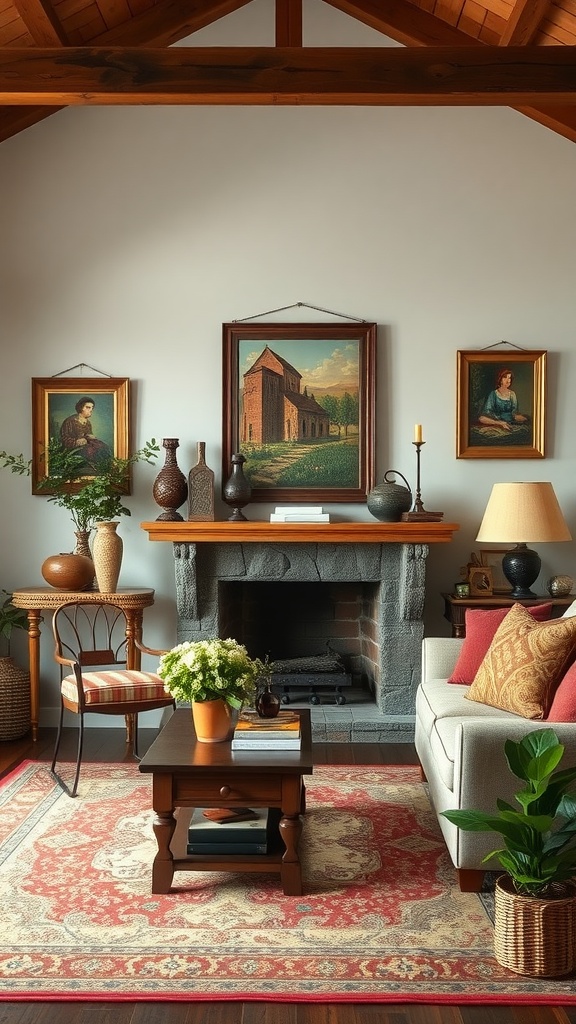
(288, 22)
(523, 23)
(367, 76)
(408, 24)
(41, 22)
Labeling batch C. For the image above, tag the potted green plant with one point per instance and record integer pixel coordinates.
(215, 676)
(535, 900)
(14, 680)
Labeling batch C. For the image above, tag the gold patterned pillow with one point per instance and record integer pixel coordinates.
(524, 663)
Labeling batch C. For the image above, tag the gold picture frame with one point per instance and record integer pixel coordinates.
(55, 402)
(496, 417)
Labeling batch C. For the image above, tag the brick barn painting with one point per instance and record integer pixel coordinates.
(298, 403)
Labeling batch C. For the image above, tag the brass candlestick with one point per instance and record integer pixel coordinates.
(418, 513)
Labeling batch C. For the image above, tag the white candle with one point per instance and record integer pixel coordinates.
(418, 433)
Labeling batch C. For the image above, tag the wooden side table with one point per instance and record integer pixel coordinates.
(455, 607)
(36, 599)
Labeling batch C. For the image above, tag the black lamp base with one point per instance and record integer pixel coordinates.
(521, 567)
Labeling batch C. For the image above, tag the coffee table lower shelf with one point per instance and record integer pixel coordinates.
(262, 863)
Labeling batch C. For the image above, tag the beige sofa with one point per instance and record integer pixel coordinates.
(460, 745)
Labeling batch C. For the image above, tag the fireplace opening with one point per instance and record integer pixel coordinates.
(285, 620)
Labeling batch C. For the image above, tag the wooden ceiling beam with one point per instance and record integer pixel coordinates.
(168, 22)
(288, 22)
(365, 76)
(523, 23)
(404, 22)
(41, 22)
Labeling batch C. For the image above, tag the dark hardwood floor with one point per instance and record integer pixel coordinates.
(108, 745)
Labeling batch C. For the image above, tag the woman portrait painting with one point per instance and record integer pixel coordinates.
(497, 417)
(77, 434)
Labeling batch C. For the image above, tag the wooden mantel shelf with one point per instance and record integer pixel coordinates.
(301, 533)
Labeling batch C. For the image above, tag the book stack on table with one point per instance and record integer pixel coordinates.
(233, 830)
(255, 733)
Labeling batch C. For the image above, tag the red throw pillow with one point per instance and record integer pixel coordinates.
(563, 708)
(481, 625)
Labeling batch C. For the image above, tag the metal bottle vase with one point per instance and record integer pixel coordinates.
(237, 491)
(107, 556)
(170, 488)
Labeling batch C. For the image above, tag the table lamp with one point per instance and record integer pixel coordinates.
(522, 513)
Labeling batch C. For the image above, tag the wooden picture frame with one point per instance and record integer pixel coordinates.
(499, 418)
(55, 414)
(480, 580)
(492, 559)
(298, 403)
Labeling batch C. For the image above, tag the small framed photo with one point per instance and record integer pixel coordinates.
(298, 403)
(501, 405)
(480, 580)
(87, 415)
(492, 559)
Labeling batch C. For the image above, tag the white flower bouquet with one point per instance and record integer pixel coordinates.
(215, 669)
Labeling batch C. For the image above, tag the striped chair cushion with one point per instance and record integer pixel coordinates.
(115, 687)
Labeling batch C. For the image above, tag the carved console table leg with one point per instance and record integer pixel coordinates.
(163, 866)
(291, 870)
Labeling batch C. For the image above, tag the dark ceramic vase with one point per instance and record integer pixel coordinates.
(237, 491)
(170, 488)
(267, 704)
(388, 500)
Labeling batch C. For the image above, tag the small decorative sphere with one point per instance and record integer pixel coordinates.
(559, 586)
(68, 572)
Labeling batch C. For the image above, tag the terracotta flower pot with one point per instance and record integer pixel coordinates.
(212, 720)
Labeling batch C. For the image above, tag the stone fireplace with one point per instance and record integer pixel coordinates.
(363, 601)
(291, 590)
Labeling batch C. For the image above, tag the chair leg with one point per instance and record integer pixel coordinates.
(58, 738)
(74, 789)
(470, 879)
(135, 736)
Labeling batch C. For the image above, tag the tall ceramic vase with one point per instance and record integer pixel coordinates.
(107, 557)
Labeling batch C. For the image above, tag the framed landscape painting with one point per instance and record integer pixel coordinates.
(298, 403)
(86, 415)
(501, 404)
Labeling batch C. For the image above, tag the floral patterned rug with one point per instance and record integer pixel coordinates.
(381, 918)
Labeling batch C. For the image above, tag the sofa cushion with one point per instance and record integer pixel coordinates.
(563, 707)
(481, 625)
(524, 663)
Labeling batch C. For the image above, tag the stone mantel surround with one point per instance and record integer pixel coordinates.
(387, 558)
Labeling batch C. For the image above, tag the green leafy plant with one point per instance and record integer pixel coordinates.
(10, 618)
(89, 500)
(210, 670)
(540, 838)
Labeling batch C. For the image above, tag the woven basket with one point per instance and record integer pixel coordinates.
(534, 936)
(14, 700)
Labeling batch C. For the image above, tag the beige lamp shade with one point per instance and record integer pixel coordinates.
(522, 513)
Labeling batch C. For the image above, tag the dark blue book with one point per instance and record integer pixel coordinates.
(227, 848)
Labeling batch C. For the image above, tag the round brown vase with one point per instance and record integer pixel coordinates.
(68, 572)
(212, 720)
(107, 553)
(170, 488)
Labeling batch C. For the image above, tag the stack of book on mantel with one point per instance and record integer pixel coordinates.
(255, 733)
(299, 514)
(229, 830)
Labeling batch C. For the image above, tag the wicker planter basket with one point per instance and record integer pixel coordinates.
(533, 936)
(14, 700)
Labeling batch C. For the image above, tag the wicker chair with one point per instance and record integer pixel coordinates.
(91, 640)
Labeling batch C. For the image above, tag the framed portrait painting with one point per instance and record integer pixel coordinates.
(298, 403)
(501, 404)
(86, 415)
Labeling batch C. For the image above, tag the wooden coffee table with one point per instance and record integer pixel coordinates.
(188, 774)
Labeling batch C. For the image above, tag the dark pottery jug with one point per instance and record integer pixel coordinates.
(170, 488)
(267, 703)
(388, 500)
(237, 491)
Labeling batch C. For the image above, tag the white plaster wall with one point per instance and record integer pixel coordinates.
(129, 235)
